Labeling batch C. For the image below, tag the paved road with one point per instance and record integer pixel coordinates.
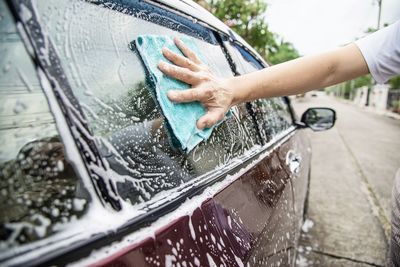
(353, 168)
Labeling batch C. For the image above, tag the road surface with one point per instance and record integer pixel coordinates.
(352, 173)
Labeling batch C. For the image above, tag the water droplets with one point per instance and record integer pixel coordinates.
(6, 67)
(19, 107)
(307, 225)
(79, 204)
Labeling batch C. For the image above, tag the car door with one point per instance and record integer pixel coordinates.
(229, 201)
(275, 119)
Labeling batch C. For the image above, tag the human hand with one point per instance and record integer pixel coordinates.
(211, 91)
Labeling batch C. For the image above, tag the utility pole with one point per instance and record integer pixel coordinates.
(379, 13)
(370, 88)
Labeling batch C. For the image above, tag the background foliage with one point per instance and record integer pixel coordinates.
(247, 18)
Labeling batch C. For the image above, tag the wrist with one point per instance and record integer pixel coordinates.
(235, 90)
(231, 85)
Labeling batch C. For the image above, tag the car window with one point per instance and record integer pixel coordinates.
(245, 62)
(273, 114)
(110, 82)
(39, 190)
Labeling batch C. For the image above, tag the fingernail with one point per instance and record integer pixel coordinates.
(162, 65)
(165, 49)
(171, 94)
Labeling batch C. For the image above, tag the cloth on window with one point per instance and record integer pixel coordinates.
(181, 117)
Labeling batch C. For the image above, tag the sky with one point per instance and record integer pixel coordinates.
(314, 26)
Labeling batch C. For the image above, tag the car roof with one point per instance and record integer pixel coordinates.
(196, 11)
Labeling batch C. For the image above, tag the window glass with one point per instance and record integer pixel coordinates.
(273, 114)
(108, 78)
(245, 62)
(39, 191)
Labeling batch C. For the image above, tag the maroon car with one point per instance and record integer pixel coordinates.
(90, 171)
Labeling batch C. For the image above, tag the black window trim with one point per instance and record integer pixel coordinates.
(74, 117)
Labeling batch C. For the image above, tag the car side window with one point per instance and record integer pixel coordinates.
(109, 80)
(40, 193)
(272, 115)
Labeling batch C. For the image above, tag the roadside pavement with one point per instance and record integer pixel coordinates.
(352, 172)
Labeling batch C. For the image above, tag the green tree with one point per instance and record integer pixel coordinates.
(395, 82)
(246, 18)
(284, 52)
(362, 81)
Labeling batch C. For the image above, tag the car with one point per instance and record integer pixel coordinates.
(90, 174)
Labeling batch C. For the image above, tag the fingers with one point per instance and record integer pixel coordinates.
(186, 51)
(179, 73)
(185, 96)
(179, 60)
(189, 95)
(210, 118)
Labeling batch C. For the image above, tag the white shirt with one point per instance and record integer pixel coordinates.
(381, 51)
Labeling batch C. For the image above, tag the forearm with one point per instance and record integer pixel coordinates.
(300, 75)
(297, 76)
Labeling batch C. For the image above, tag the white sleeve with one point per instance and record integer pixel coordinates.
(381, 51)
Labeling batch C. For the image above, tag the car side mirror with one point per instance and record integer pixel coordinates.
(318, 119)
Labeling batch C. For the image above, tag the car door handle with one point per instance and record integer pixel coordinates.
(293, 161)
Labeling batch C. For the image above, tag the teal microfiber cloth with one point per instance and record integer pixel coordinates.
(181, 117)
